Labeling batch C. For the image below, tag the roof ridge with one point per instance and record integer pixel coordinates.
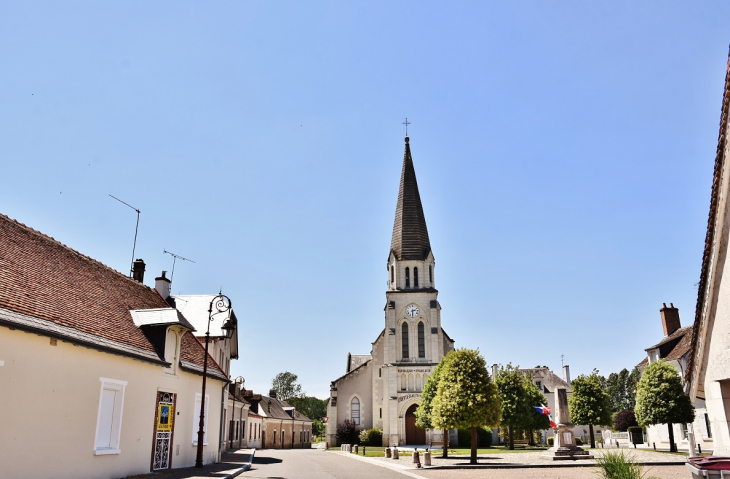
(54, 240)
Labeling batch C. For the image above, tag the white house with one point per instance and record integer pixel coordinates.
(98, 374)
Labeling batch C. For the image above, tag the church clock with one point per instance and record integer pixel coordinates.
(412, 311)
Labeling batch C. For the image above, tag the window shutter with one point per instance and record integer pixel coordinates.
(106, 419)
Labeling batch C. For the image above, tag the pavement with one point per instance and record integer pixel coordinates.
(232, 464)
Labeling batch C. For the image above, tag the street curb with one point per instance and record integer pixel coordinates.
(237, 472)
(539, 466)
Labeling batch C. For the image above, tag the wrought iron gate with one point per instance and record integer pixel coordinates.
(163, 431)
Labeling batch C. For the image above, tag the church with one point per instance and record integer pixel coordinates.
(383, 389)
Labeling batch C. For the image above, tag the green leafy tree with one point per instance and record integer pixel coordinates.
(534, 420)
(310, 406)
(286, 386)
(589, 403)
(621, 388)
(318, 428)
(423, 413)
(513, 395)
(465, 397)
(660, 399)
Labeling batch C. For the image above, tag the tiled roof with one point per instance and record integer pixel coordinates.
(355, 360)
(73, 294)
(710, 234)
(273, 408)
(410, 235)
(680, 333)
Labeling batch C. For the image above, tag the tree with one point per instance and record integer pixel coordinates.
(621, 388)
(286, 386)
(589, 403)
(660, 399)
(318, 428)
(465, 397)
(513, 396)
(623, 420)
(423, 413)
(310, 406)
(535, 421)
(347, 433)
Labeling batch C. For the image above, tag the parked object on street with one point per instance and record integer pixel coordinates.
(710, 466)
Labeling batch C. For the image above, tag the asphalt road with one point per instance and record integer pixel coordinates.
(315, 464)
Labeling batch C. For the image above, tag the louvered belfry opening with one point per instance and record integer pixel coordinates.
(410, 235)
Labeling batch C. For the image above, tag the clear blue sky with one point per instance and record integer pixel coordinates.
(564, 153)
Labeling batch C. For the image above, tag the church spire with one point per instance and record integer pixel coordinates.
(410, 235)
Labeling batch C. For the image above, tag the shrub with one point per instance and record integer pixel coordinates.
(551, 441)
(484, 437)
(623, 420)
(578, 441)
(371, 437)
(617, 465)
(346, 433)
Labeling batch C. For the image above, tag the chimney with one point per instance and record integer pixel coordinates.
(566, 373)
(162, 285)
(495, 368)
(670, 319)
(272, 394)
(138, 270)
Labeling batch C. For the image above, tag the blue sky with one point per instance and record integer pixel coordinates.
(564, 153)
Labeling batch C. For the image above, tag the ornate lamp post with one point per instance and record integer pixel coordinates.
(222, 305)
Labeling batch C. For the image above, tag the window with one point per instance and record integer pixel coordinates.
(421, 341)
(430, 274)
(274, 436)
(380, 372)
(539, 385)
(355, 411)
(171, 351)
(408, 278)
(404, 341)
(282, 438)
(196, 419)
(707, 425)
(392, 275)
(381, 413)
(109, 417)
(415, 277)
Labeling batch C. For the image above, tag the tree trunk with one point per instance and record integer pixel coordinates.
(532, 438)
(672, 447)
(593, 439)
(473, 445)
(511, 435)
(445, 452)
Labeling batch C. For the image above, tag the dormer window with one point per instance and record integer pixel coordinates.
(408, 278)
(171, 351)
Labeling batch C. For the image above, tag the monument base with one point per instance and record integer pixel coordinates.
(565, 448)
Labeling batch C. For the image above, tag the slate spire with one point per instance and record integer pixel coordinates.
(410, 235)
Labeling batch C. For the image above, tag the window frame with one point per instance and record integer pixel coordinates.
(405, 350)
(415, 277)
(117, 414)
(421, 340)
(359, 410)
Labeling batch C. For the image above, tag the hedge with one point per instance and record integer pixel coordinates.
(484, 437)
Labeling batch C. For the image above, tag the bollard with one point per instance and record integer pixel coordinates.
(395, 453)
(363, 450)
(356, 448)
(416, 458)
(655, 446)
(326, 445)
(617, 446)
(349, 448)
(426, 458)
(387, 452)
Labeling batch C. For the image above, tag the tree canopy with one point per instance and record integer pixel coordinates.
(660, 397)
(286, 386)
(589, 403)
(465, 397)
(621, 389)
(423, 413)
(513, 395)
(310, 406)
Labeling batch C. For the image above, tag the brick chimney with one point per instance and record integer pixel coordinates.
(162, 285)
(670, 319)
(138, 270)
(272, 393)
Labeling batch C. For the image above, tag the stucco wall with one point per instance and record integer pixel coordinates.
(49, 402)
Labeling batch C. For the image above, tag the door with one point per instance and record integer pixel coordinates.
(414, 434)
(163, 431)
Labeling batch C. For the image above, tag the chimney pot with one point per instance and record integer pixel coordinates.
(138, 270)
(272, 393)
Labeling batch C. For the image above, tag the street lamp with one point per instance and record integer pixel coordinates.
(222, 305)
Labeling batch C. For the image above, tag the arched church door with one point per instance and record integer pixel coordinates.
(414, 435)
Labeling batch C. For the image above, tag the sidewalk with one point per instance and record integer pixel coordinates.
(232, 464)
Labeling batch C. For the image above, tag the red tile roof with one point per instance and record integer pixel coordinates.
(43, 278)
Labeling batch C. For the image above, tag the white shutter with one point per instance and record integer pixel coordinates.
(106, 419)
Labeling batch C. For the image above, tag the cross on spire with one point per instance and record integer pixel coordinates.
(406, 123)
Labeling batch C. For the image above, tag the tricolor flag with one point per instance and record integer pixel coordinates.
(553, 425)
(542, 409)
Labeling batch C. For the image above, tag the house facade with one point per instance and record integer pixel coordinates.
(280, 425)
(383, 389)
(97, 371)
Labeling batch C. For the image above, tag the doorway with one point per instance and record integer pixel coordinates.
(414, 434)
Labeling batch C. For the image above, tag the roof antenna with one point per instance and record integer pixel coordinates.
(562, 363)
(131, 269)
(174, 258)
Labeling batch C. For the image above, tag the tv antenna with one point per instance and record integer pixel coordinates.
(131, 269)
(175, 257)
(562, 363)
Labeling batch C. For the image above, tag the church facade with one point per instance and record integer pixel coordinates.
(383, 389)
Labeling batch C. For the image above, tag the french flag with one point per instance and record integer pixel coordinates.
(542, 409)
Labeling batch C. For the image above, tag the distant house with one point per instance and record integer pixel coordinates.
(98, 374)
(282, 426)
(674, 348)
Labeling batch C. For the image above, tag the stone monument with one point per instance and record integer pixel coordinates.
(564, 439)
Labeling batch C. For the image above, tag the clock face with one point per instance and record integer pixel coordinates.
(412, 311)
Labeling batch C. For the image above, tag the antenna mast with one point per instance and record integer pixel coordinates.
(174, 258)
(131, 268)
